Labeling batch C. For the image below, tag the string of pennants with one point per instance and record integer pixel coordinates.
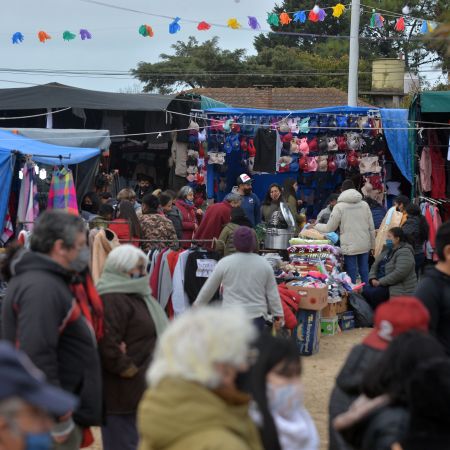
(316, 14)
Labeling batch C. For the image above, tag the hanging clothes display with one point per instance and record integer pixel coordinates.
(62, 194)
(438, 166)
(28, 208)
(434, 220)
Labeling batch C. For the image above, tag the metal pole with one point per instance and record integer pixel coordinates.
(354, 54)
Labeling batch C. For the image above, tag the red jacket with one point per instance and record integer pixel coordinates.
(216, 217)
(122, 231)
(289, 301)
(189, 219)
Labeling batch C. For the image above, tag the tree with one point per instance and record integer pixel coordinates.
(374, 43)
(207, 65)
(194, 65)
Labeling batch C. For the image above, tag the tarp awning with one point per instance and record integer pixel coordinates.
(435, 102)
(395, 127)
(48, 153)
(55, 95)
(66, 137)
(274, 112)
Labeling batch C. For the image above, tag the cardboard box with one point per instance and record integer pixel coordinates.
(347, 320)
(336, 308)
(342, 306)
(312, 299)
(307, 332)
(329, 326)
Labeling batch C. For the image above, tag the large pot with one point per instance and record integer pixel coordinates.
(278, 239)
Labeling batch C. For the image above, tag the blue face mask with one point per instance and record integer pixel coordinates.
(389, 244)
(38, 441)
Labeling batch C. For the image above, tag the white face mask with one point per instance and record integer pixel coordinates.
(285, 399)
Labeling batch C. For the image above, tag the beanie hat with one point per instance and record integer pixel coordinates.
(395, 317)
(244, 240)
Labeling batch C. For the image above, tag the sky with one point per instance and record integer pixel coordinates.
(116, 44)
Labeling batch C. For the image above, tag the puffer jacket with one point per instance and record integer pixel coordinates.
(41, 317)
(183, 415)
(412, 230)
(225, 243)
(400, 272)
(348, 387)
(354, 219)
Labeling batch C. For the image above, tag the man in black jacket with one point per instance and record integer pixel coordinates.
(391, 319)
(434, 288)
(42, 318)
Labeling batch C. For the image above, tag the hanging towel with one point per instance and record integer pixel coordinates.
(62, 193)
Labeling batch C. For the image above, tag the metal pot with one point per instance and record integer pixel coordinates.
(278, 239)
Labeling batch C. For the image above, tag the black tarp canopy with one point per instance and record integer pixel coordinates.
(55, 95)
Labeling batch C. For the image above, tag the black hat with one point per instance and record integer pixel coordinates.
(20, 378)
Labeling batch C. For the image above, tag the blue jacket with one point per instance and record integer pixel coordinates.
(378, 214)
(252, 207)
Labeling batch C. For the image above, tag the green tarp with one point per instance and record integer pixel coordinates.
(435, 102)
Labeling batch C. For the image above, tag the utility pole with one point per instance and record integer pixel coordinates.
(354, 54)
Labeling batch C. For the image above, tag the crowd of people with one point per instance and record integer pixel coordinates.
(77, 354)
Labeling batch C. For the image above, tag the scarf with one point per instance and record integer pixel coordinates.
(188, 202)
(90, 304)
(112, 282)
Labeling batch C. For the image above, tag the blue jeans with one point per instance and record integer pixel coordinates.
(355, 264)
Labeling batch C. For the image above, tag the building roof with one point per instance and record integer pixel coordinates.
(55, 95)
(266, 97)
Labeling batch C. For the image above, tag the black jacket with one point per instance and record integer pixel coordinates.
(434, 292)
(127, 320)
(41, 316)
(347, 387)
(412, 230)
(382, 428)
(177, 219)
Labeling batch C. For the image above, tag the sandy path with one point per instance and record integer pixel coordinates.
(319, 372)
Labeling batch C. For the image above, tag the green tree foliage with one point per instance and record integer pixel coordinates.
(374, 43)
(207, 65)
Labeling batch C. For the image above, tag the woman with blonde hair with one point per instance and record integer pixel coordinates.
(193, 401)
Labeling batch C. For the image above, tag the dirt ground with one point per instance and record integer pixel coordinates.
(319, 372)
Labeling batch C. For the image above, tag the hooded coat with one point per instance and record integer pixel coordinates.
(400, 271)
(354, 219)
(181, 415)
(216, 217)
(42, 318)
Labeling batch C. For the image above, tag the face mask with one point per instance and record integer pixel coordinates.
(285, 400)
(136, 276)
(38, 441)
(82, 260)
(389, 244)
(87, 208)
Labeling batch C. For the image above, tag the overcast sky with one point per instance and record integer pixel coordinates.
(116, 44)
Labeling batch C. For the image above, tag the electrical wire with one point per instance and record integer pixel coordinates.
(242, 28)
(36, 115)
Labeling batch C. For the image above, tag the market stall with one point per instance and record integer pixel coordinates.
(19, 159)
(429, 141)
(319, 148)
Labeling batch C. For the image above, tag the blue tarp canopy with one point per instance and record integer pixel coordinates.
(273, 112)
(11, 144)
(395, 127)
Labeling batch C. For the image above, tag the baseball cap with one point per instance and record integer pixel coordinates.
(395, 317)
(20, 378)
(243, 179)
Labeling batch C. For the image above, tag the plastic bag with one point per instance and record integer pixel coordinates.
(363, 311)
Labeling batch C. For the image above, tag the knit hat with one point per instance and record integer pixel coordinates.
(244, 240)
(395, 317)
